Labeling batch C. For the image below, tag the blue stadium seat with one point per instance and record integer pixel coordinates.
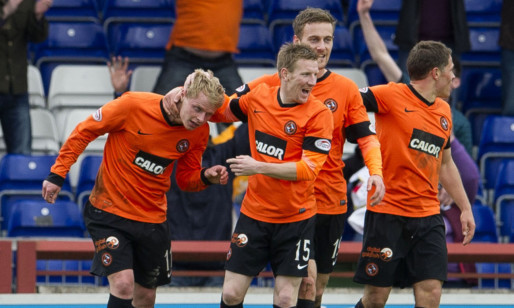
(142, 42)
(255, 46)
(41, 219)
(484, 47)
(483, 12)
(494, 268)
(386, 32)
(485, 224)
(130, 9)
(70, 43)
(504, 196)
(281, 32)
(73, 10)
(87, 176)
(497, 143)
(253, 11)
(480, 90)
(280, 10)
(21, 177)
(373, 73)
(477, 119)
(382, 12)
(342, 50)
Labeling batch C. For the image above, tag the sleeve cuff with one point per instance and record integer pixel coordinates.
(204, 178)
(55, 179)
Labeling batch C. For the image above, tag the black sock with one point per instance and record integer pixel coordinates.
(304, 303)
(116, 302)
(223, 305)
(359, 304)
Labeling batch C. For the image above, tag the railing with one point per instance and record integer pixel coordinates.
(29, 251)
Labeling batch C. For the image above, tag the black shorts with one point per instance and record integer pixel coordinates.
(285, 246)
(400, 251)
(327, 238)
(122, 244)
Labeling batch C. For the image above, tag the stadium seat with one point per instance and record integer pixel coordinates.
(386, 32)
(71, 42)
(130, 9)
(494, 268)
(477, 119)
(45, 137)
(342, 51)
(255, 46)
(142, 42)
(36, 89)
(253, 12)
(480, 90)
(287, 9)
(373, 73)
(78, 86)
(497, 143)
(86, 179)
(281, 32)
(41, 219)
(382, 12)
(355, 74)
(484, 47)
(483, 12)
(144, 78)
(73, 10)
(504, 196)
(21, 177)
(485, 224)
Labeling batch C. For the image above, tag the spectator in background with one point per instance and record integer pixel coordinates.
(437, 20)
(506, 42)
(204, 35)
(21, 22)
(393, 73)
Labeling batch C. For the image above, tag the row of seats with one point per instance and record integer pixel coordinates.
(267, 11)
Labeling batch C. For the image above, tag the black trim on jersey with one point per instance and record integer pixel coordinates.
(421, 98)
(245, 90)
(204, 178)
(55, 179)
(311, 144)
(236, 110)
(369, 100)
(358, 130)
(325, 76)
(282, 104)
(448, 144)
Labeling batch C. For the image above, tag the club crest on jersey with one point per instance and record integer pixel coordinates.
(290, 128)
(426, 142)
(331, 104)
(444, 123)
(151, 163)
(97, 115)
(270, 145)
(183, 145)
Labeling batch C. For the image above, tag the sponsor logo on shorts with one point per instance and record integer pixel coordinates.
(371, 269)
(240, 239)
(386, 254)
(106, 259)
(426, 142)
(270, 145)
(100, 244)
(371, 252)
(112, 242)
(151, 163)
(301, 267)
(331, 104)
(290, 128)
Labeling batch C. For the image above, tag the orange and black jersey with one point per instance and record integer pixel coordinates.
(341, 95)
(280, 133)
(138, 158)
(413, 134)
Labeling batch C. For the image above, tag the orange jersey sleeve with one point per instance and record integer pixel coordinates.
(206, 24)
(141, 147)
(282, 133)
(413, 134)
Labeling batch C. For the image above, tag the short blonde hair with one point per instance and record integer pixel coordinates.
(205, 82)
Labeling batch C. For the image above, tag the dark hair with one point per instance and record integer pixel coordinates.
(426, 55)
(312, 15)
